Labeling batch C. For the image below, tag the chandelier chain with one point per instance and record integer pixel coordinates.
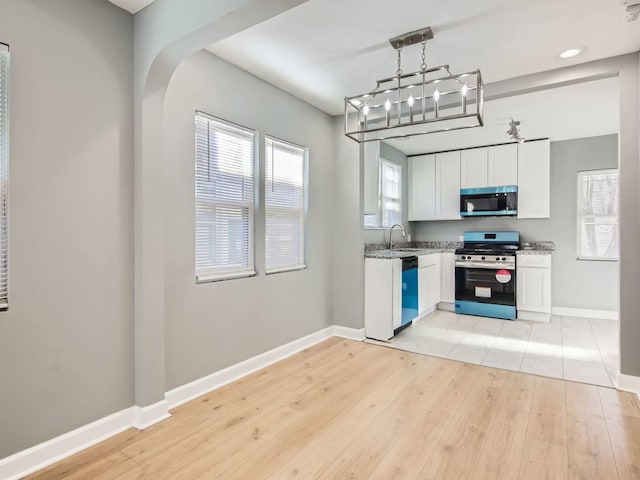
(399, 71)
(423, 67)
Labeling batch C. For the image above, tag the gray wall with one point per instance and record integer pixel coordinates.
(66, 347)
(347, 268)
(214, 325)
(381, 235)
(575, 283)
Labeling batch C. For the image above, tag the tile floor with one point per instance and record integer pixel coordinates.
(579, 349)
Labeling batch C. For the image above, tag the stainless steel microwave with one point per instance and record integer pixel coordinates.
(489, 201)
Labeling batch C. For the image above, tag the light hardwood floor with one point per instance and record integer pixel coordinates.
(345, 409)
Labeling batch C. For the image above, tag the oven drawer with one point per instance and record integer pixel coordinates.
(540, 261)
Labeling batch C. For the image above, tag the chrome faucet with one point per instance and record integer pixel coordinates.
(391, 233)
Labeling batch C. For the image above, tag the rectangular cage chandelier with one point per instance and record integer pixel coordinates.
(430, 100)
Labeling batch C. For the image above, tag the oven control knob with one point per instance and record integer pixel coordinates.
(503, 259)
(483, 258)
(497, 259)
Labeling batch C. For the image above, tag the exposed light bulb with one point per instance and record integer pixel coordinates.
(366, 110)
(387, 105)
(465, 89)
(356, 102)
(410, 100)
(436, 95)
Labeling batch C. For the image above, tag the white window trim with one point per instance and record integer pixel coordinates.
(304, 265)
(380, 202)
(251, 271)
(579, 255)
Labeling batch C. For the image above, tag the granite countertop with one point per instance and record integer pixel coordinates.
(399, 252)
(536, 248)
(409, 249)
(424, 248)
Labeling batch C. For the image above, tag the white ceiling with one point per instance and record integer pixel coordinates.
(133, 6)
(324, 50)
(576, 111)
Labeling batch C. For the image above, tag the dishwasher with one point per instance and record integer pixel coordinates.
(409, 292)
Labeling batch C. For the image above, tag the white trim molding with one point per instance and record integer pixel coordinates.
(144, 417)
(35, 458)
(629, 383)
(40, 456)
(349, 333)
(585, 312)
(201, 386)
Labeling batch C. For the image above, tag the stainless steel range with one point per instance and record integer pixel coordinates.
(486, 274)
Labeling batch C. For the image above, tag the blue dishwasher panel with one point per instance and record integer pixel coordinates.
(409, 295)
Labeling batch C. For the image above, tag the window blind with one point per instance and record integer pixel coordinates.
(391, 193)
(598, 215)
(4, 176)
(224, 191)
(284, 206)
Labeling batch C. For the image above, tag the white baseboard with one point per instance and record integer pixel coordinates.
(191, 390)
(144, 417)
(534, 316)
(449, 307)
(35, 458)
(585, 312)
(347, 332)
(628, 383)
(425, 312)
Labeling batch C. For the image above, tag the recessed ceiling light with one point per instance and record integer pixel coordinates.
(572, 52)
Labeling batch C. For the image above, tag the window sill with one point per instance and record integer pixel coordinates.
(287, 269)
(224, 276)
(596, 259)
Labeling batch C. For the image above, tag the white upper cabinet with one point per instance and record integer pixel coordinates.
(473, 168)
(448, 186)
(434, 187)
(489, 166)
(422, 187)
(534, 179)
(502, 168)
(371, 177)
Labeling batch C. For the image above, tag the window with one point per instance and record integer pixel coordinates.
(389, 207)
(284, 202)
(4, 176)
(225, 158)
(598, 215)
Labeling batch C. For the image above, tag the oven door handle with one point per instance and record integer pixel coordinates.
(485, 266)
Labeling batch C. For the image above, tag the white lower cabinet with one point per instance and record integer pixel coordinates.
(428, 283)
(448, 277)
(382, 297)
(533, 277)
